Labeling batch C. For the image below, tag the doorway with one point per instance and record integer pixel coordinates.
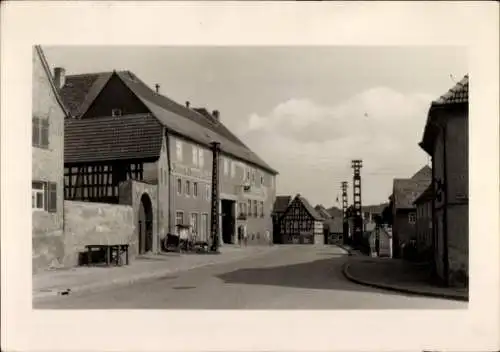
(145, 225)
(228, 220)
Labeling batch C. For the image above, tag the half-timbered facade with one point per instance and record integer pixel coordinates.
(301, 223)
(127, 136)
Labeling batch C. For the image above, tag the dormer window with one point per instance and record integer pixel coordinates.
(116, 112)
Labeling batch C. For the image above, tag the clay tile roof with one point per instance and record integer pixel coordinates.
(113, 138)
(458, 94)
(322, 211)
(281, 204)
(424, 196)
(310, 209)
(80, 91)
(425, 173)
(405, 191)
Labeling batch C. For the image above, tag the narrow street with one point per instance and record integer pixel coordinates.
(293, 277)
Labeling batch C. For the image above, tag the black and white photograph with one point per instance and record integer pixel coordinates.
(239, 178)
(269, 176)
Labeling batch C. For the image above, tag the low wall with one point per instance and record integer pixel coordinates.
(88, 223)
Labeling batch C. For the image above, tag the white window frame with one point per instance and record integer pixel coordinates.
(38, 191)
(177, 212)
(207, 191)
(178, 146)
(226, 166)
(195, 155)
(412, 218)
(233, 169)
(179, 188)
(194, 228)
(203, 234)
(116, 112)
(195, 189)
(187, 188)
(201, 158)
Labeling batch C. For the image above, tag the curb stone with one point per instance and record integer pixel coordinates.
(100, 286)
(347, 275)
(348, 250)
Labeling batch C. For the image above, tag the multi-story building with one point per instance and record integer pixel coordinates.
(280, 205)
(445, 139)
(48, 115)
(301, 223)
(404, 216)
(121, 124)
(423, 206)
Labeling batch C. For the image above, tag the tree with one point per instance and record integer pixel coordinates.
(387, 215)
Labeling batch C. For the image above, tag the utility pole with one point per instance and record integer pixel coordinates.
(345, 224)
(214, 223)
(358, 220)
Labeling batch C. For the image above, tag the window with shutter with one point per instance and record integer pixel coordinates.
(52, 206)
(40, 132)
(44, 143)
(36, 132)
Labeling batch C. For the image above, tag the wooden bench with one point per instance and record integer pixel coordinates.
(112, 251)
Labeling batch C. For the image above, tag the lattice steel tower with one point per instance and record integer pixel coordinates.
(214, 221)
(358, 220)
(345, 224)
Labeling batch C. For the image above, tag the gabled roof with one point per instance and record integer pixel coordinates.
(281, 204)
(46, 68)
(113, 138)
(407, 190)
(334, 211)
(322, 211)
(456, 97)
(374, 209)
(459, 93)
(425, 173)
(80, 91)
(424, 196)
(307, 206)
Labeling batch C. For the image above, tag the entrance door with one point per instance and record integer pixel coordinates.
(228, 220)
(145, 225)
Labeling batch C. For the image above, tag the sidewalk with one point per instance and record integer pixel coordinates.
(62, 281)
(398, 275)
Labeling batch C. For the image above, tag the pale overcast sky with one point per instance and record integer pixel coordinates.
(302, 109)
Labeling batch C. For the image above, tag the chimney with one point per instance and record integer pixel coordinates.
(216, 114)
(187, 104)
(59, 77)
(157, 87)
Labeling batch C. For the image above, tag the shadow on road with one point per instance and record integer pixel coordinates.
(322, 274)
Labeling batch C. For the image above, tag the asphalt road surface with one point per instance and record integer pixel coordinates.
(293, 277)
